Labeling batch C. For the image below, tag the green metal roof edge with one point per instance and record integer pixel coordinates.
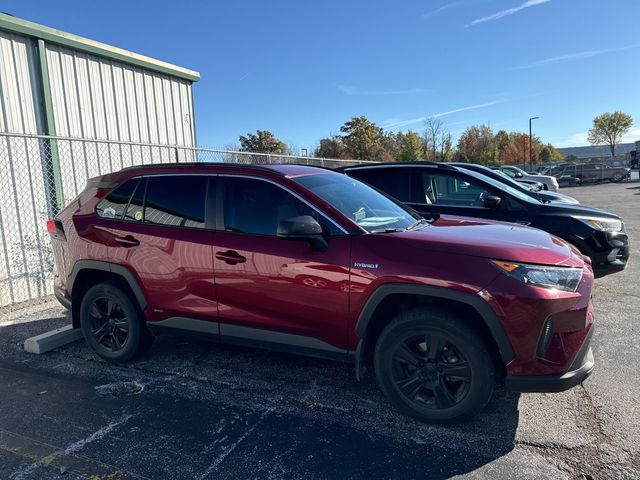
(31, 29)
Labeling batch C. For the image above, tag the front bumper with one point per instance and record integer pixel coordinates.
(578, 373)
(609, 252)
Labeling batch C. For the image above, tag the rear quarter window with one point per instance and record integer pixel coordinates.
(114, 204)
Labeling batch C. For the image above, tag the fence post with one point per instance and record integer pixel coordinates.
(57, 200)
(175, 150)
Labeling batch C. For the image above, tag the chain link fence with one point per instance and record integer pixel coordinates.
(41, 174)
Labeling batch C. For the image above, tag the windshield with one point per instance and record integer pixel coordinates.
(367, 207)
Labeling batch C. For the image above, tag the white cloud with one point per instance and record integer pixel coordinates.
(443, 8)
(573, 56)
(412, 121)
(580, 139)
(633, 135)
(351, 90)
(469, 107)
(507, 12)
(574, 140)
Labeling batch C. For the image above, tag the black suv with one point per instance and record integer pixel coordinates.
(439, 188)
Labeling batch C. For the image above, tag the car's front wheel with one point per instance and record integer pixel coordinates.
(112, 324)
(432, 366)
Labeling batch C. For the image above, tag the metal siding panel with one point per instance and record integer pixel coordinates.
(187, 115)
(169, 111)
(19, 109)
(57, 95)
(96, 98)
(132, 106)
(177, 112)
(150, 101)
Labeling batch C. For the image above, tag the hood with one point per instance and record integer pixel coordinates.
(577, 209)
(557, 197)
(496, 240)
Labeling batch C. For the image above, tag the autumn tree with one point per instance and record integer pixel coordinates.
(446, 146)
(363, 139)
(262, 141)
(609, 128)
(502, 142)
(548, 153)
(476, 145)
(330, 148)
(409, 147)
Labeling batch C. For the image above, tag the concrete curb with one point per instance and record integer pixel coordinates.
(46, 342)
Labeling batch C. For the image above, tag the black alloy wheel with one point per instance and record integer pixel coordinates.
(112, 323)
(109, 323)
(434, 366)
(430, 371)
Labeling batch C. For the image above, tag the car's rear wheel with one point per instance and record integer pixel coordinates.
(112, 324)
(432, 366)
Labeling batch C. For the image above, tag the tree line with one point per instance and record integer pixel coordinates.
(361, 139)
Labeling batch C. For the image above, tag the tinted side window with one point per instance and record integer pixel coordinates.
(114, 204)
(256, 207)
(455, 191)
(176, 200)
(393, 181)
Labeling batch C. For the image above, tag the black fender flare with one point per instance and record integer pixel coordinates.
(114, 268)
(473, 300)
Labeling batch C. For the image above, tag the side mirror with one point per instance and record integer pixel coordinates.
(304, 228)
(492, 202)
(519, 175)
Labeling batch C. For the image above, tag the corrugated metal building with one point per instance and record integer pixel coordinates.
(55, 86)
(57, 83)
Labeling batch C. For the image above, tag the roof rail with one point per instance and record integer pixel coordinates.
(250, 166)
(442, 165)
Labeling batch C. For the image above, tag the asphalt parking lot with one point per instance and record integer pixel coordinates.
(192, 409)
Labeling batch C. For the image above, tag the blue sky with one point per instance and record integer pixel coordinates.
(302, 68)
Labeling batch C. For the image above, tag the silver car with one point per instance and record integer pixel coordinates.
(518, 174)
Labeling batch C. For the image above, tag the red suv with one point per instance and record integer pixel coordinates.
(311, 261)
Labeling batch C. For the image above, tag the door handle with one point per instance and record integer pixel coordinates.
(128, 241)
(231, 257)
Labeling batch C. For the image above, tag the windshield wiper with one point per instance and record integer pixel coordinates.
(424, 221)
(388, 230)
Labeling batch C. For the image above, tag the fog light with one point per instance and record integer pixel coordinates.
(545, 337)
(613, 254)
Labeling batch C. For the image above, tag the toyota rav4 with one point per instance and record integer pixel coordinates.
(313, 262)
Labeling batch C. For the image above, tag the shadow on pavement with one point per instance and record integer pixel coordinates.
(205, 410)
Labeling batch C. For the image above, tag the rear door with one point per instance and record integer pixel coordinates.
(275, 292)
(164, 236)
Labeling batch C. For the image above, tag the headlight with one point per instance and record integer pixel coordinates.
(602, 224)
(545, 276)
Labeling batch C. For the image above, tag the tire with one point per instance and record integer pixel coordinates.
(414, 377)
(112, 323)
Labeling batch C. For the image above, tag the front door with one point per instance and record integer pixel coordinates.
(273, 292)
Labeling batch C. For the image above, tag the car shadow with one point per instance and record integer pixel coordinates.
(323, 420)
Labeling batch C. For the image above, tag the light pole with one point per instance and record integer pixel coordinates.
(530, 144)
